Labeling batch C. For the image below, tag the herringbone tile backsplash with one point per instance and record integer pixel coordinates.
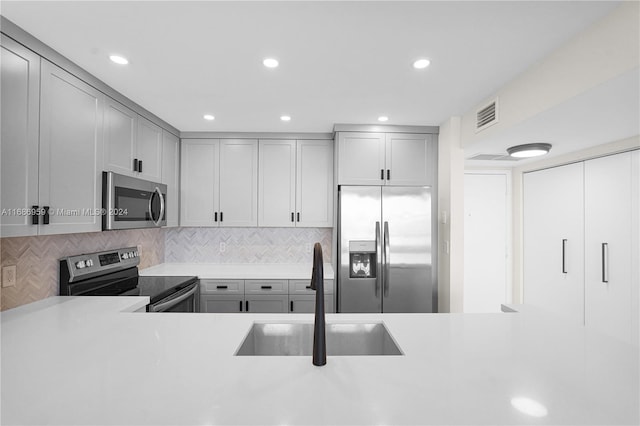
(37, 258)
(246, 245)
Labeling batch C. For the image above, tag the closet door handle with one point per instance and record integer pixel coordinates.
(605, 262)
(292, 217)
(220, 216)
(564, 256)
(215, 216)
(298, 216)
(381, 174)
(388, 174)
(247, 306)
(140, 166)
(135, 165)
(241, 306)
(291, 306)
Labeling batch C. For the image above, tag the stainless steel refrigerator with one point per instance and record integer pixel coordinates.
(385, 238)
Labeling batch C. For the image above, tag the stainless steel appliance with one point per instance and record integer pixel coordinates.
(132, 203)
(115, 273)
(386, 262)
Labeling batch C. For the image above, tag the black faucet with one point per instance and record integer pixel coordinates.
(317, 284)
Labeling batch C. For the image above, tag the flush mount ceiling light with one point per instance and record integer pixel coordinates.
(421, 64)
(208, 117)
(270, 63)
(120, 60)
(529, 150)
(383, 118)
(285, 118)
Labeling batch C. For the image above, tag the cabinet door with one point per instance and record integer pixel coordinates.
(305, 304)
(361, 158)
(120, 132)
(266, 304)
(553, 240)
(221, 303)
(238, 182)
(608, 245)
(411, 159)
(314, 193)
(20, 81)
(277, 183)
(199, 182)
(71, 148)
(170, 170)
(149, 150)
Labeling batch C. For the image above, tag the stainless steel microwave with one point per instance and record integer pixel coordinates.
(130, 203)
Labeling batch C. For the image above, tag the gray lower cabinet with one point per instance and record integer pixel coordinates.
(261, 296)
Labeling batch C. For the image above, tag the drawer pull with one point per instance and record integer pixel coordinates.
(266, 287)
(222, 287)
(241, 306)
(309, 287)
(292, 306)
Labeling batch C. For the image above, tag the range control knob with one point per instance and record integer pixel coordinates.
(80, 264)
(89, 262)
(125, 255)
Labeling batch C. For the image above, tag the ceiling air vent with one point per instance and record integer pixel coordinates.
(487, 116)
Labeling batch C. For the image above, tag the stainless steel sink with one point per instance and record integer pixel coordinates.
(296, 339)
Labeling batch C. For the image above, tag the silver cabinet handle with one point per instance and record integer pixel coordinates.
(564, 258)
(378, 259)
(605, 262)
(387, 259)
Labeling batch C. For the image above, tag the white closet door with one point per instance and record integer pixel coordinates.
(485, 242)
(608, 245)
(553, 241)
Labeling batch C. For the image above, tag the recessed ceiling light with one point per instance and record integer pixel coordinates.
(421, 64)
(529, 150)
(120, 60)
(383, 118)
(285, 118)
(270, 63)
(529, 407)
(209, 117)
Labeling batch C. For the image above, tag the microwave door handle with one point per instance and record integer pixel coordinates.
(157, 222)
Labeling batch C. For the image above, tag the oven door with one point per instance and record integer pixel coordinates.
(186, 300)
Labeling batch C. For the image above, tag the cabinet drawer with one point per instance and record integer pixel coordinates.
(222, 286)
(301, 287)
(266, 304)
(266, 287)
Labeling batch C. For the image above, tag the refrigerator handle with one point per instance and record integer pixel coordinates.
(378, 259)
(386, 259)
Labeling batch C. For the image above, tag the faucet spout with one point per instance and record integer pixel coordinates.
(317, 284)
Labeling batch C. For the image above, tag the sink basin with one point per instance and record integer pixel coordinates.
(296, 339)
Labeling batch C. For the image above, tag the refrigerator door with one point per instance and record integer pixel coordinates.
(360, 277)
(408, 284)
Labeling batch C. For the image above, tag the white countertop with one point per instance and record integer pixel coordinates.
(90, 360)
(242, 271)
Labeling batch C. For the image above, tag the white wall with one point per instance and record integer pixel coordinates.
(451, 217)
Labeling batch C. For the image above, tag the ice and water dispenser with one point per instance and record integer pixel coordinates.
(362, 259)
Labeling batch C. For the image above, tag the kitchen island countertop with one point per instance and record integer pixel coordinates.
(92, 360)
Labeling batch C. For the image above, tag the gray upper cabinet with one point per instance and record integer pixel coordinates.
(402, 159)
(20, 72)
(219, 182)
(170, 174)
(133, 144)
(295, 183)
(70, 162)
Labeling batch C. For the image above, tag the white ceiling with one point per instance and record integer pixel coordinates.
(340, 62)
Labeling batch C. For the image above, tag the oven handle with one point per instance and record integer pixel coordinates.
(157, 222)
(166, 305)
